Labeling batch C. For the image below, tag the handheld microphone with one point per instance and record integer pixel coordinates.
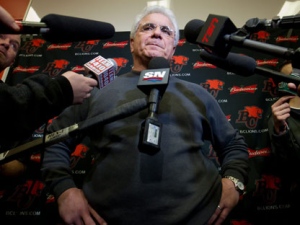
(58, 29)
(153, 82)
(103, 70)
(246, 66)
(215, 37)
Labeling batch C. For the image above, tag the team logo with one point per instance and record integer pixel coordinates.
(56, 67)
(87, 46)
(33, 45)
(213, 86)
(261, 36)
(250, 116)
(178, 61)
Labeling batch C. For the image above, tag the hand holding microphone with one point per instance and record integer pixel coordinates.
(8, 21)
(101, 69)
(81, 85)
(99, 73)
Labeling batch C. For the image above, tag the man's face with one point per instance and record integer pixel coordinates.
(154, 38)
(9, 47)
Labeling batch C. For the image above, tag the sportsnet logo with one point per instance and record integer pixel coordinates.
(154, 76)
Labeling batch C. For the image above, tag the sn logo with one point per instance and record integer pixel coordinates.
(151, 74)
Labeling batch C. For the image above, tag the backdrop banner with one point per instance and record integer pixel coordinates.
(271, 197)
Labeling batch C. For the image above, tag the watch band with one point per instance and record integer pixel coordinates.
(239, 186)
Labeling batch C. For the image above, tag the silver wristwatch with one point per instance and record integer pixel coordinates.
(239, 186)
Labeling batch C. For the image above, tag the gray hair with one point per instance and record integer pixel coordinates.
(156, 9)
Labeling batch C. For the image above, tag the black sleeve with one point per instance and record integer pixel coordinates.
(26, 106)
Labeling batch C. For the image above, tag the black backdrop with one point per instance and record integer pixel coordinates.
(246, 102)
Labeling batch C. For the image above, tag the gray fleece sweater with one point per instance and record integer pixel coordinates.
(177, 184)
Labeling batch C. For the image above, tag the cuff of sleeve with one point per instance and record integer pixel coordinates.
(63, 186)
(66, 88)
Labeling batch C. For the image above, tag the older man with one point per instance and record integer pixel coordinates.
(127, 185)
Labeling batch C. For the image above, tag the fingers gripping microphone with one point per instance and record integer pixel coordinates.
(103, 70)
(58, 29)
(153, 82)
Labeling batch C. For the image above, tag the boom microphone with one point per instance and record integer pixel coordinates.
(122, 111)
(245, 66)
(286, 22)
(218, 34)
(239, 64)
(58, 29)
(103, 70)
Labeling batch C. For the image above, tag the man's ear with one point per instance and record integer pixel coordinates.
(131, 45)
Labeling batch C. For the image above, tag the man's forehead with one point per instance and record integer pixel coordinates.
(156, 17)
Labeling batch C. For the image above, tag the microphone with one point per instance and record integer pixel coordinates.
(153, 82)
(239, 64)
(122, 111)
(286, 22)
(103, 70)
(216, 37)
(58, 29)
(210, 35)
(246, 66)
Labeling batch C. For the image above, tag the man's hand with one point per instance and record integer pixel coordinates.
(74, 209)
(81, 85)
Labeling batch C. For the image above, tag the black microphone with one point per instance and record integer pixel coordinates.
(239, 64)
(286, 22)
(153, 82)
(215, 36)
(58, 29)
(245, 66)
(210, 34)
(120, 112)
(101, 69)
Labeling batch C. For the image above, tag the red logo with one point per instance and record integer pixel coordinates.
(115, 44)
(33, 45)
(262, 36)
(210, 30)
(178, 61)
(54, 68)
(213, 86)
(79, 153)
(247, 89)
(86, 46)
(250, 116)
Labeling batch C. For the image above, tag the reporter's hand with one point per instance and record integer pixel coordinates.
(8, 20)
(81, 85)
(294, 87)
(74, 209)
(280, 112)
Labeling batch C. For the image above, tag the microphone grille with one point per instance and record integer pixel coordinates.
(192, 30)
(158, 63)
(114, 63)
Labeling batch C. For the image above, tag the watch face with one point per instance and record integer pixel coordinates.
(240, 186)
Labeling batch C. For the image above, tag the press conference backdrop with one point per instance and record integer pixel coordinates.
(245, 101)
